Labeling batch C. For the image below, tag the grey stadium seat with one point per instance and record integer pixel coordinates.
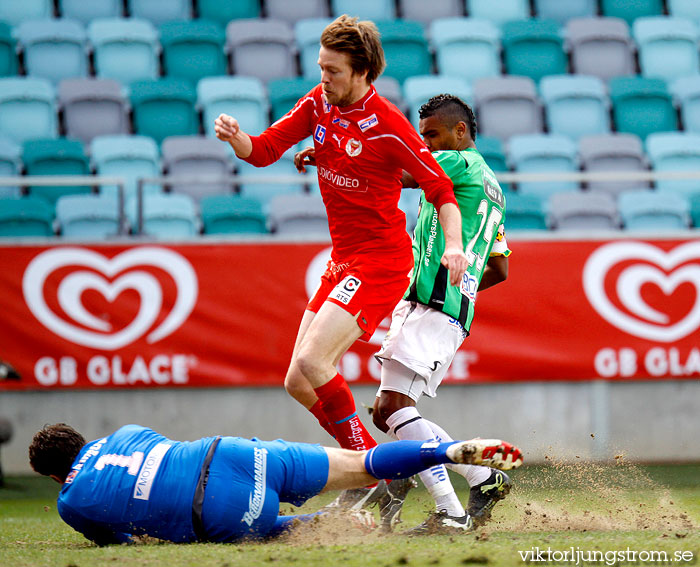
(197, 155)
(292, 12)
(613, 152)
(581, 210)
(390, 88)
(507, 106)
(601, 47)
(426, 12)
(92, 107)
(301, 215)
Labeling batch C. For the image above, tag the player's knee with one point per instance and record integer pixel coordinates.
(384, 406)
(377, 417)
(310, 365)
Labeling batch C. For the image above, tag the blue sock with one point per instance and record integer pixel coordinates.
(401, 459)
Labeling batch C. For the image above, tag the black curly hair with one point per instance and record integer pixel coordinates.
(452, 108)
(54, 449)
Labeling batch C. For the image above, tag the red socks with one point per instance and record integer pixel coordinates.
(317, 411)
(338, 405)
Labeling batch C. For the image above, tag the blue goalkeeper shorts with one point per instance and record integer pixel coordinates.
(249, 478)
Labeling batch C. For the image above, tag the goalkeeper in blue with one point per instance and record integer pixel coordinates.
(135, 482)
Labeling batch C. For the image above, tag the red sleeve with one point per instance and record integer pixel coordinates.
(293, 127)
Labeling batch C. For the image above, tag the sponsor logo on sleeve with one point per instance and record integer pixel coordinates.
(320, 134)
(346, 289)
(341, 122)
(367, 123)
(144, 482)
(353, 147)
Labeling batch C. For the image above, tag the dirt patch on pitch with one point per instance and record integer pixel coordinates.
(333, 528)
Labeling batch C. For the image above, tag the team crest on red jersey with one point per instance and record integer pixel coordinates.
(353, 147)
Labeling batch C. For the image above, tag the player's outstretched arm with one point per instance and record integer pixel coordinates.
(454, 258)
(228, 129)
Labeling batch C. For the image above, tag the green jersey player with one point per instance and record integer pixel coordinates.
(430, 323)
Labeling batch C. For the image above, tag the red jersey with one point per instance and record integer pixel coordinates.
(361, 151)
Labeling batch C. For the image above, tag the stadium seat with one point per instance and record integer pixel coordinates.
(158, 12)
(15, 12)
(124, 49)
(197, 156)
(27, 108)
(600, 47)
(284, 94)
(292, 12)
(55, 157)
(491, 149)
(166, 216)
(576, 105)
(508, 10)
(10, 165)
(307, 34)
(53, 49)
(525, 212)
(695, 209)
(686, 92)
(374, 10)
(425, 12)
(223, 11)
(675, 151)
(668, 47)
(89, 217)
(642, 106)
(262, 48)
(193, 49)
(92, 107)
(613, 153)
(533, 48)
(689, 9)
(507, 106)
(164, 107)
(405, 49)
(242, 97)
(653, 211)
(8, 51)
(543, 153)
(85, 12)
(232, 214)
(409, 203)
(562, 12)
(265, 192)
(631, 10)
(466, 47)
(299, 215)
(583, 210)
(390, 88)
(26, 216)
(419, 89)
(130, 157)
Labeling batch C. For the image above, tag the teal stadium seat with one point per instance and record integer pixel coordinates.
(158, 12)
(409, 203)
(223, 11)
(89, 217)
(292, 12)
(600, 47)
(543, 153)
(10, 165)
(124, 49)
(491, 149)
(262, 48)
(59, 156)
(8, 51)
(675, 151)
(668, 47)
(425, 12)
(27, 108)
(507, 11)
(85, 12)
(193, 49)
(54, 49)
(686, 91)
(15, 12)
(164, 107)
(242, 97)
(405, 49)
(695, 210)
(652, 211)
(689, 9)
(26, 216)
(129, 157)
(284, 94)
(533, 48)
(524, 212)
(630, 10)
(374, 10)
(307, 34)
(575, 105)
(466, 47)
(642, 106)
(419, 89)
(563, 11)
(166, 216)
(232, 214)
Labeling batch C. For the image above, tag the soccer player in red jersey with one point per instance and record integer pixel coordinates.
(362, 144)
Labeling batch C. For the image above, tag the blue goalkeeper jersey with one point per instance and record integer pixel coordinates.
(134, 481)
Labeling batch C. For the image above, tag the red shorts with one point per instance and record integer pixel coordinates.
(371, 289)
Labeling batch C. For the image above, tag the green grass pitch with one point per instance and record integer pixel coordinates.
(574, 507)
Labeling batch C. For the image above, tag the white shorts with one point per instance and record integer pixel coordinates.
(425, 341)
